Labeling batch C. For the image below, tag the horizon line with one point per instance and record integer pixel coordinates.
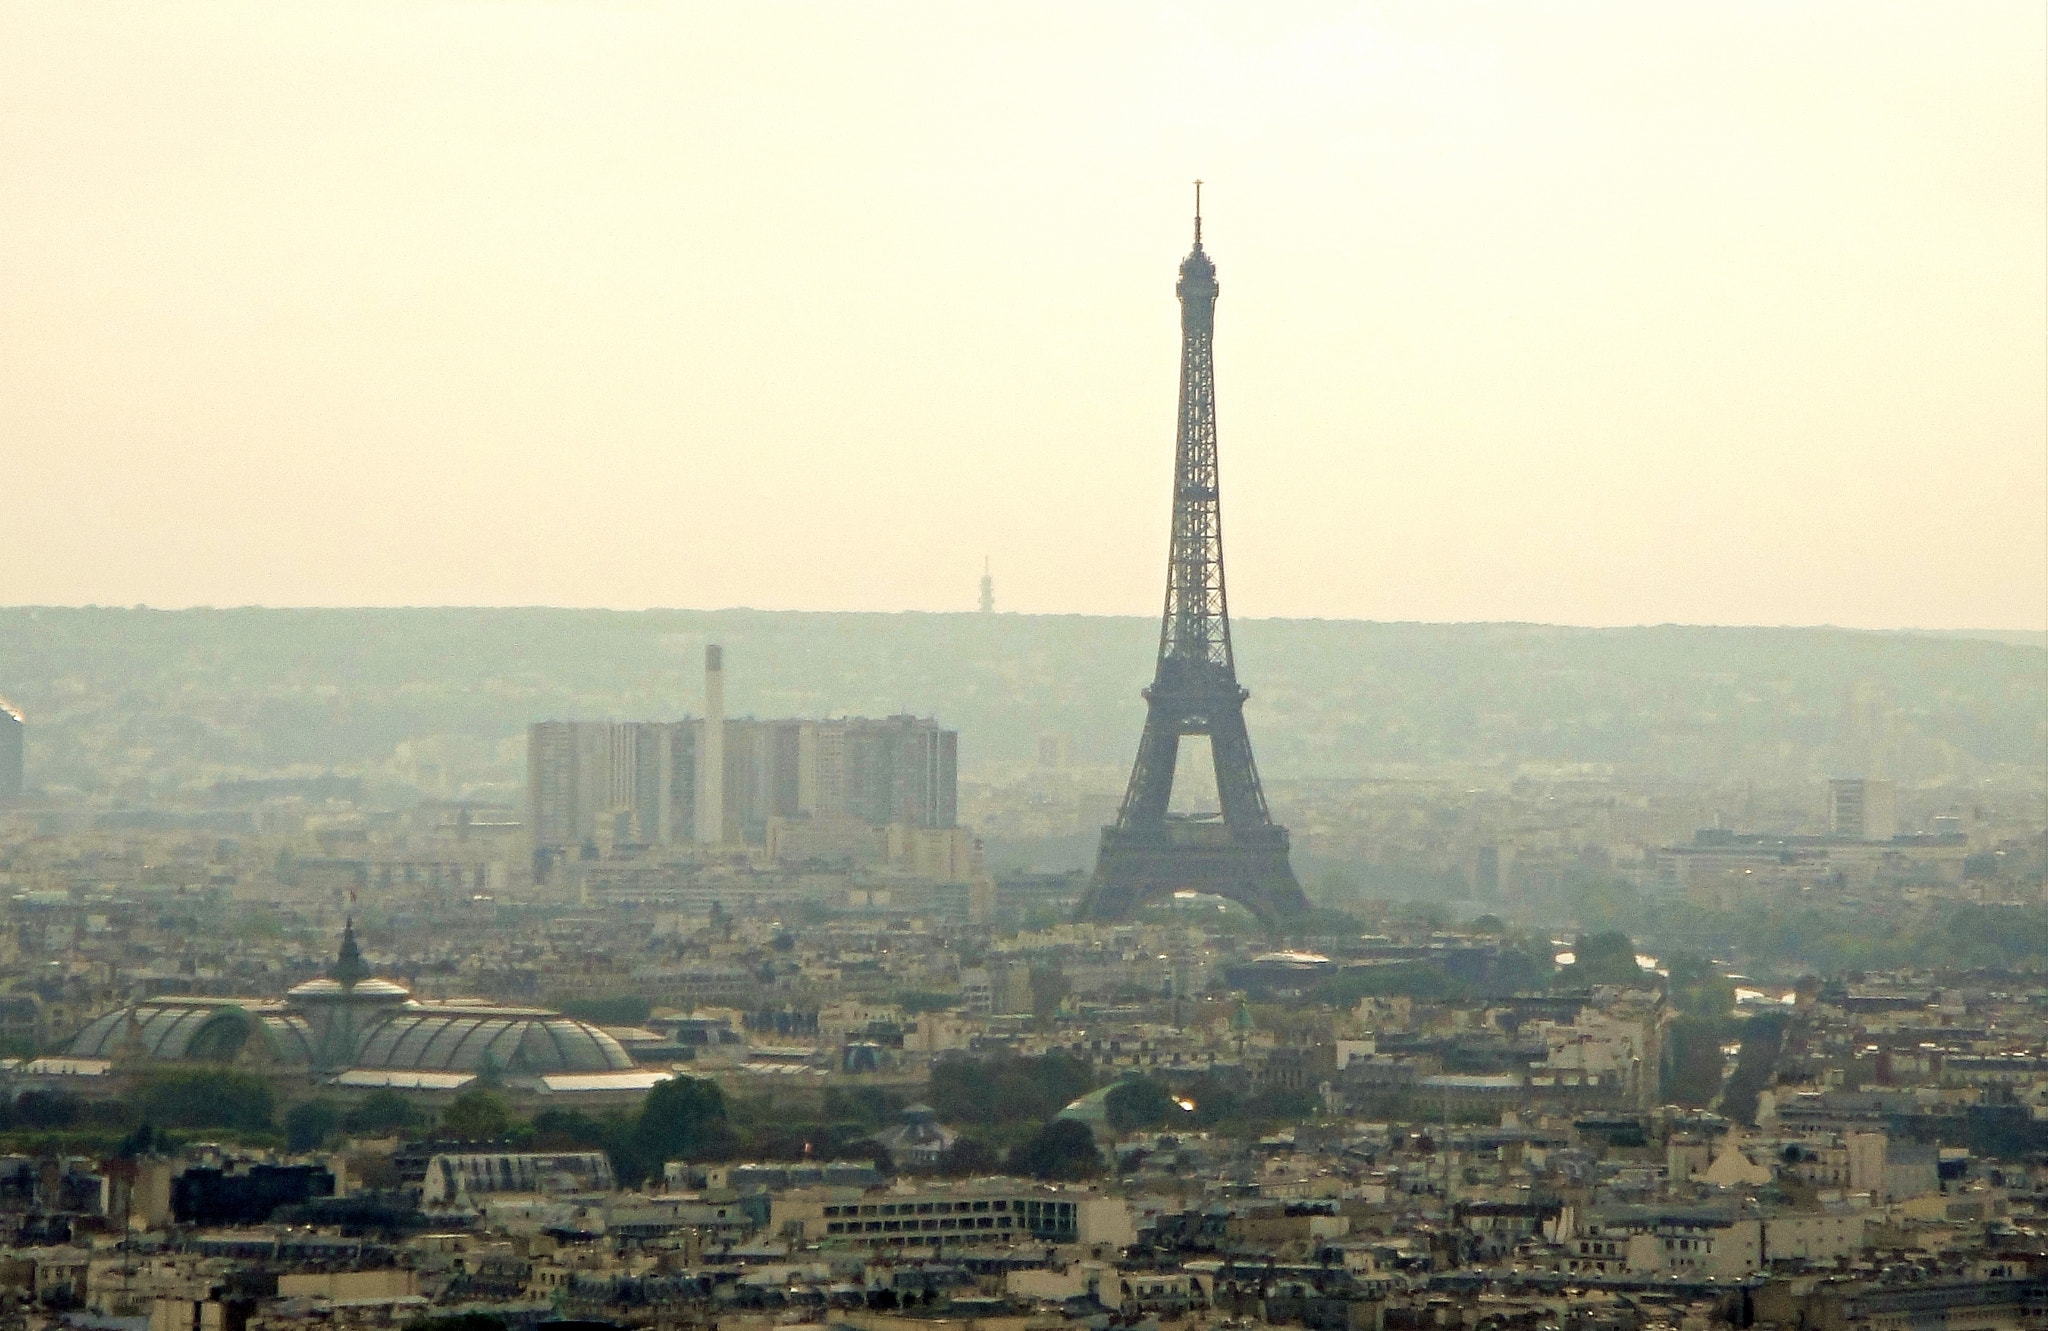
(528, 607)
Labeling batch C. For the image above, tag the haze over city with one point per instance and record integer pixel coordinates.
(1600, 314)
(620, 711)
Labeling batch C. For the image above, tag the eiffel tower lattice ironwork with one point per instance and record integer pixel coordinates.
(1238, 852)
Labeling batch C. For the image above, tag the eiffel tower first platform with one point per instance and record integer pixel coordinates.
(1238, 853)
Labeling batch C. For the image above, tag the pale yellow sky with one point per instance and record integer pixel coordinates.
(1596, 314)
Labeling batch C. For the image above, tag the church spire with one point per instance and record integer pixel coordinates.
(349, 968)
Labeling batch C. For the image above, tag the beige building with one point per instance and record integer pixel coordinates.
(1648, 1240)
(996, 1210)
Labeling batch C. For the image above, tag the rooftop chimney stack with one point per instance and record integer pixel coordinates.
(711, 752)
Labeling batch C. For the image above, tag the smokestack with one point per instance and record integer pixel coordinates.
(711, 752)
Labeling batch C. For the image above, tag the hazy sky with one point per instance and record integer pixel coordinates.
(1594, 314)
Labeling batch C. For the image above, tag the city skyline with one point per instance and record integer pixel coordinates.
(1605, 317)
(1634, 431)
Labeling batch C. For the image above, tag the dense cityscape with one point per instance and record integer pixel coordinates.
(439, 956)
(1558, 1043)
(758, 1021)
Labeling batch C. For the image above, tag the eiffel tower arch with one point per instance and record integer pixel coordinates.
(1237, 852)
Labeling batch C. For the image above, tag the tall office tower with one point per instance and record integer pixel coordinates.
(903, 769)
(630, 782)
(1863, 809)
(1241, 853)
(12, 752)
(988, 590)
(711, 753)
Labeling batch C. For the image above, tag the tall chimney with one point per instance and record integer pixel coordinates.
(711, 752)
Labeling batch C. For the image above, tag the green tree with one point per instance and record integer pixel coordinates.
(1063, 1151)
(682, 1119)
(308, 1125)
(1696, 989)
(570, 1130)
(968, 1158)
(1603, 958)
(1763, 1039)
(1524, 964)
(382, 1113)
(1139, 1102)
(1006, 1091)
(1692, 1062)
(208, 1098)
(1415, 979)
(1216, 1104)
(43, 1110)
(478, 1115)
(1275, 1106)
(866, 1105)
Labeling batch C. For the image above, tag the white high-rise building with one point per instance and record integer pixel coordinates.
(1863, 809)
(715, 781)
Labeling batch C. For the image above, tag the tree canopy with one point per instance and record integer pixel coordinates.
(1007, 1090)
(1602, 958)
(1140, 1102)
(478, 1114)
(205, 1098)
(1063, 1151)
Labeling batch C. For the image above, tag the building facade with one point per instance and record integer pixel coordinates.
(637, 782)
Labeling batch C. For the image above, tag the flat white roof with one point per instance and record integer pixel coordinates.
(403, 1079)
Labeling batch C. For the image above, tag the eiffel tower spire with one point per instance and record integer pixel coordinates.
(1148, 854)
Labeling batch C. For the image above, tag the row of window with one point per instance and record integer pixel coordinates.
(1064, 1210)
(948, 1225)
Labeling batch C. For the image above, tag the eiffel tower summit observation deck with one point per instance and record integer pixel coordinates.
(1235, 852)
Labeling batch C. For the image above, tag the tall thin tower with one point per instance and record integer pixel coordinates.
(711, 752)
(1239, 853)
(988, 589)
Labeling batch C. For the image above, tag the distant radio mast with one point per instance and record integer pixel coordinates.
(988, 589)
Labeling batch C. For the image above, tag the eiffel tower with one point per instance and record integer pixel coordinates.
(1238, 853)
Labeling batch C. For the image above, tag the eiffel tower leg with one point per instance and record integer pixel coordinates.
(1151, 788)
(1237, 777)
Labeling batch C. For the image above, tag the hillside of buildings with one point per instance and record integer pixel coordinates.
(136, 702)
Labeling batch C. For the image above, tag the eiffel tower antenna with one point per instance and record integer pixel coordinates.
(1149, 853)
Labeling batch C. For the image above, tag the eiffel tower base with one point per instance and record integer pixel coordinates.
(1137, 868)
